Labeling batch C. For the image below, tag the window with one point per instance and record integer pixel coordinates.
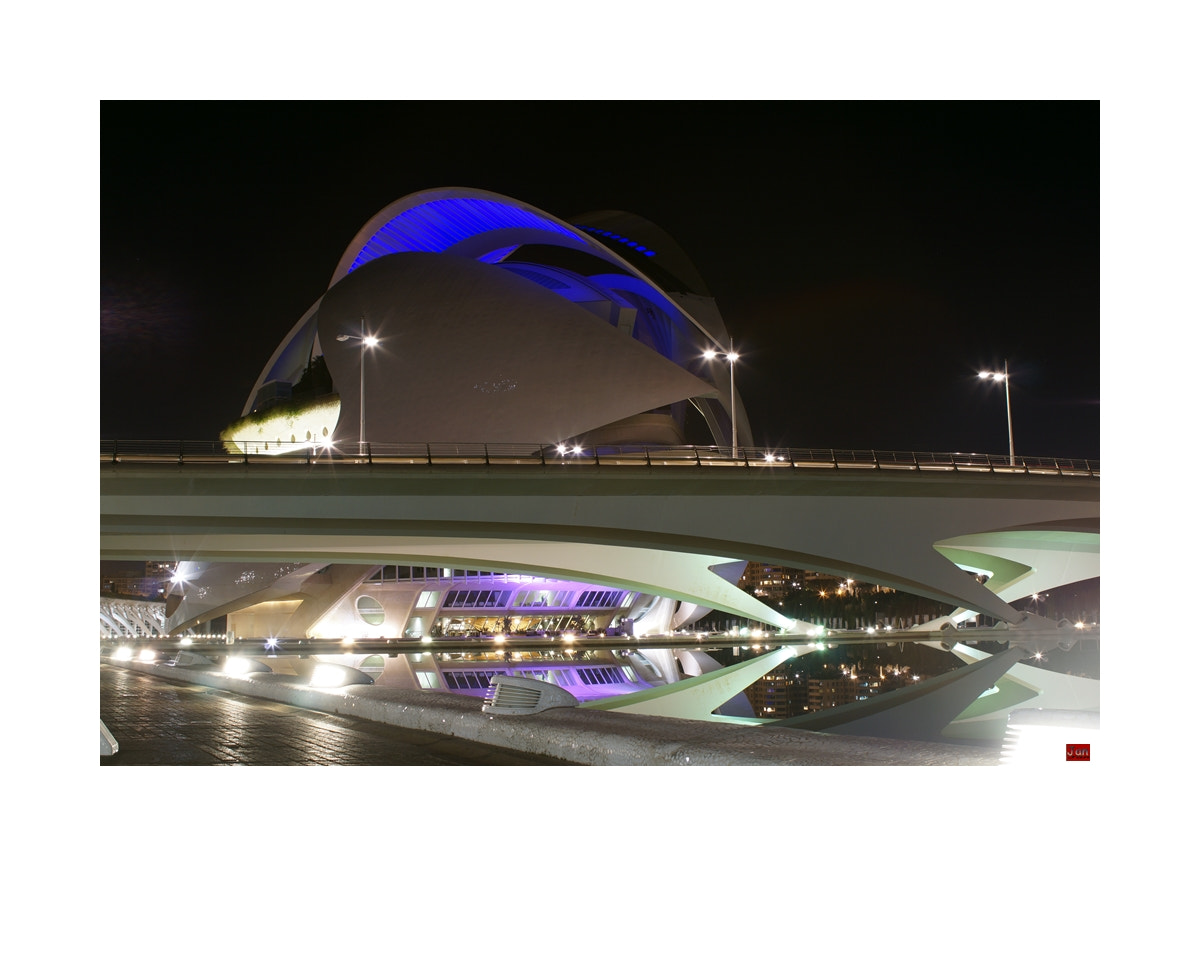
(370, 610)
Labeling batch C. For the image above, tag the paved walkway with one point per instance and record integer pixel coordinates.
(577, 735)
(159, 722)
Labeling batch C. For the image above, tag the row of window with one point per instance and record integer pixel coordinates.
(480, 680)
(371, 610)
(468, 680)
(477, 598)
(599, 598)
(599, 675)
(542, 598)
(391, 572)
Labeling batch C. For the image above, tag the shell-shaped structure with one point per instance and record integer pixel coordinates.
(460, 315)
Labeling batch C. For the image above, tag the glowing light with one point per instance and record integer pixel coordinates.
(370, 341)
(146, 656)
(499, 638)
(122, 653)
(185, 642)
(237, 666)
(327, 676)
(577, 450)
(271, 644)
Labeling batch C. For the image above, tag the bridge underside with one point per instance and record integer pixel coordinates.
(660, 531)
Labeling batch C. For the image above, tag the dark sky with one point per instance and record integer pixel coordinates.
(868, 258)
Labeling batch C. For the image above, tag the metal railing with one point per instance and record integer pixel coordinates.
(514, 454)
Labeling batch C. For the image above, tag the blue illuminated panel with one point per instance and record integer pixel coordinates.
(437, 225)
(619, 239)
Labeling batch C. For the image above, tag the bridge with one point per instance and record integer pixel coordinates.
(663, 520)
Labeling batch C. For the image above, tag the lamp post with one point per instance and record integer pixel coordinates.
(365, 342)
(731, 357)
(1003, 377)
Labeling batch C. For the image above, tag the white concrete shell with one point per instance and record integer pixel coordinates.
(486, 339)
(506, 361)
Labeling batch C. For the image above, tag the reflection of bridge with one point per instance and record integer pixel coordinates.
(657, 520)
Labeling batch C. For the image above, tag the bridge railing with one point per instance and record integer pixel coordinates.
(531, 454)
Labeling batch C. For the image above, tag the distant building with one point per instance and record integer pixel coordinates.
(771, 582)
(148, 580)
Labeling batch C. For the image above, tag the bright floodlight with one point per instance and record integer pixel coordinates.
(369, 341)
(237, 666)
(710, 354)
(732, 357)
(327, 676)
(122, 653)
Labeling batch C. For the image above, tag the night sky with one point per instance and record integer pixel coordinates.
(868, 258)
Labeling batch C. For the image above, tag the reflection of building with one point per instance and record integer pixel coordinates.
(830, 692)
(464, 316)
(780, 694)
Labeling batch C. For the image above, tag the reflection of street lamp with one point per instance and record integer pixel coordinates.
(731, 357)
(1003, 377)
(367, 342)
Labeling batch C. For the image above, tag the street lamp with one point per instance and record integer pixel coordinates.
(731, 357)
(366, 342)
(1003, 377)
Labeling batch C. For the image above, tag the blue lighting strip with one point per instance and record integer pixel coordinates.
(619, 239)
(437, 225)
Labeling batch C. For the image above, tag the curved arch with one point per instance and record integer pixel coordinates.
(473, 222)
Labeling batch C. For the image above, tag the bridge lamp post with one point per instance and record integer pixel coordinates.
(1003, 377)
(731, 357)
(365, 342)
